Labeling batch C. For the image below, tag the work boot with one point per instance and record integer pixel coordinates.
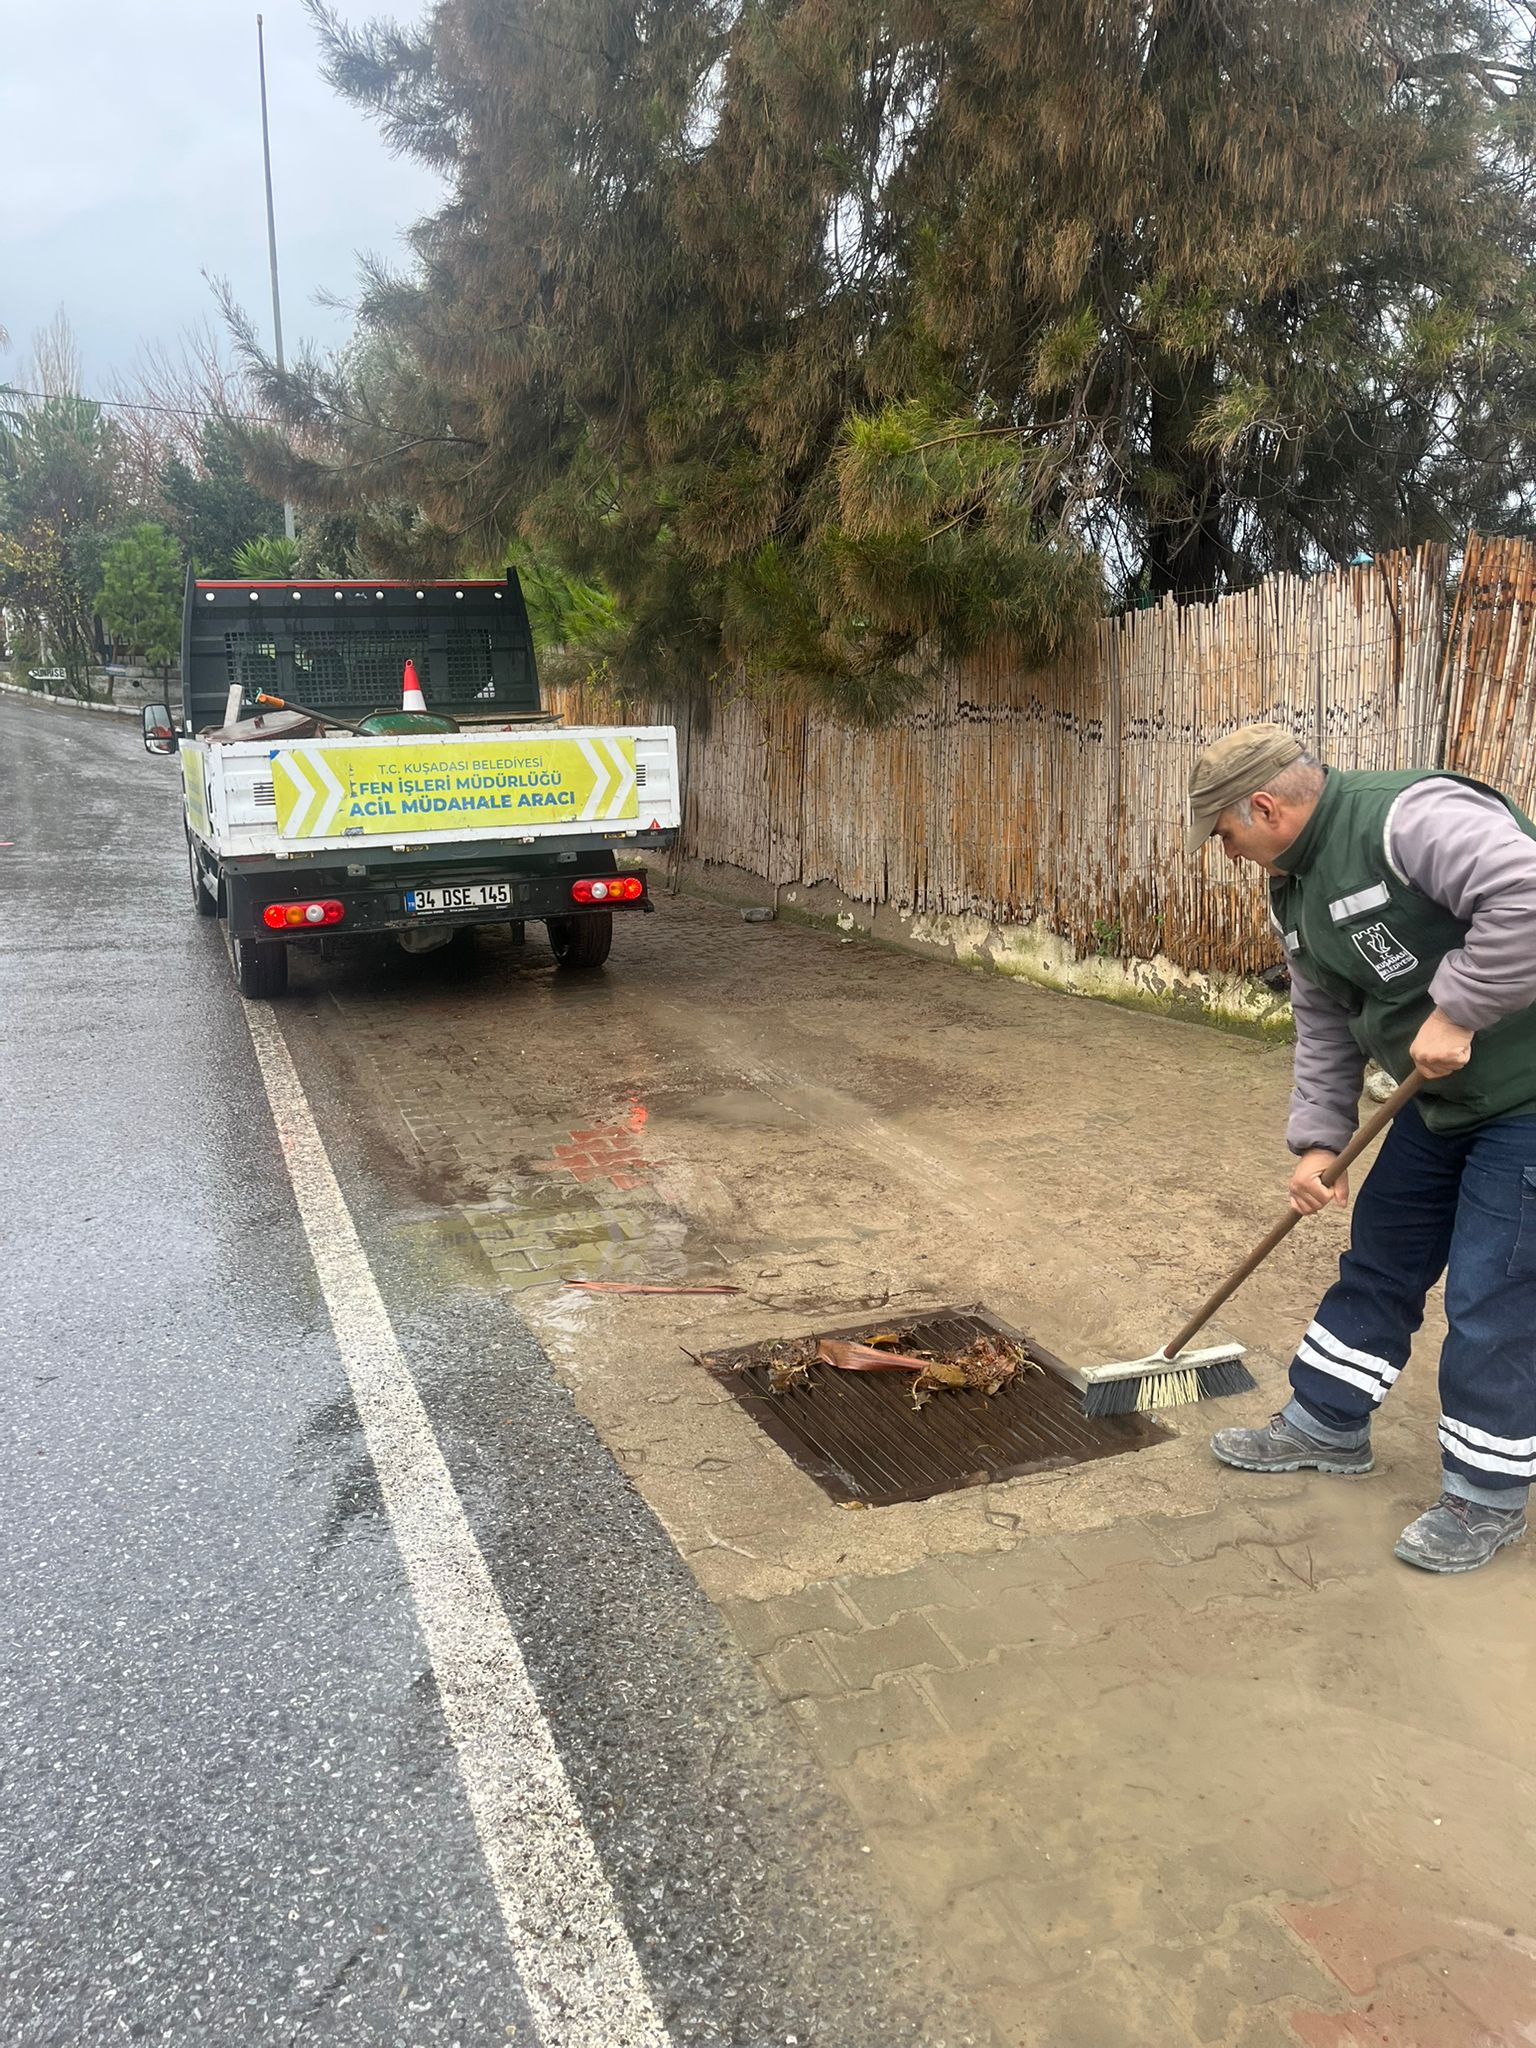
(1458, 1535)
(1282, 1447)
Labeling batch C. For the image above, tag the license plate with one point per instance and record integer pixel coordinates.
(473, 896)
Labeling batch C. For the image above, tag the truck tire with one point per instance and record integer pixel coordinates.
(261, 972)
(205, 905)
(580, 942)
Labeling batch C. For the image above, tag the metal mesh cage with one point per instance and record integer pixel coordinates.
(332, 669)
(469, 669)
(342, 648)
(252, 663)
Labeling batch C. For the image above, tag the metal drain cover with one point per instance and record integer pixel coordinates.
(859, 1437)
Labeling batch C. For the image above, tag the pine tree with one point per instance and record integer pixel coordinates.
(210, 507)
(836, 341)
(141, 588)
(1256, 273)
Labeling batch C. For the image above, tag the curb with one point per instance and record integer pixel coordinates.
(68, 703)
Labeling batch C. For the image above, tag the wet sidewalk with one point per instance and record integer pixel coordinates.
(1148, 1751)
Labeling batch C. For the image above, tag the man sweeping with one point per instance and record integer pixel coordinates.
(1406, 904)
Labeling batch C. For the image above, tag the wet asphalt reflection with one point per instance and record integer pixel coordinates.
(234, 1813)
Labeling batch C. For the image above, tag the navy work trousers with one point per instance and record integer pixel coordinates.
(1464, 1205)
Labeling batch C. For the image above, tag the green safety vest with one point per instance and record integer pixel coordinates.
(1360, 933)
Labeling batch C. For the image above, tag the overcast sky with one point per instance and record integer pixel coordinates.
(130, 163)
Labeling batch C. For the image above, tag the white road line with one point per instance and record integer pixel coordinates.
(578, 1967)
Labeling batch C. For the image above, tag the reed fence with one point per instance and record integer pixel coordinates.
(1057, 796)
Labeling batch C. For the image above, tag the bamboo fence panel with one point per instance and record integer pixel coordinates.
(1489, 677)
(1057, 795)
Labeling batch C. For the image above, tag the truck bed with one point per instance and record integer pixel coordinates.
(274, 801)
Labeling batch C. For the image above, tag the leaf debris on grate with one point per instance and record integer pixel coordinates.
(876, 1435)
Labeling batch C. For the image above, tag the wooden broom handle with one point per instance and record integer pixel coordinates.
(1367, 1134)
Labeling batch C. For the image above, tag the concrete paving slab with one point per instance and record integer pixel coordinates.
(1178, 1706)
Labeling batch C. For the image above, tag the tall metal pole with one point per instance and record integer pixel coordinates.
(266, 159)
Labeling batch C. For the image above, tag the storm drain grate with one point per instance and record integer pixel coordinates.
(860, 1438)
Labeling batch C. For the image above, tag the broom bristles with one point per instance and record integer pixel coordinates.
(1137, 1393)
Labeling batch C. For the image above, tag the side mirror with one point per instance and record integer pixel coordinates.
(159, 733)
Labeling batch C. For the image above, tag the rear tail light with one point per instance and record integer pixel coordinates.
(609, 889)
(303, 916)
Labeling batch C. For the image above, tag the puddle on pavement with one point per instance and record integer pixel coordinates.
(581, 1206)
(433, 1248)
(742, 1107)
(551, 1233)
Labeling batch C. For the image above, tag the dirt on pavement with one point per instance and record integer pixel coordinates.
(1151, 1751)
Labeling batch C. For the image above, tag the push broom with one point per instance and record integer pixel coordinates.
(1173, 1376)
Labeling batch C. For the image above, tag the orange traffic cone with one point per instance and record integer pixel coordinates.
(411, 698)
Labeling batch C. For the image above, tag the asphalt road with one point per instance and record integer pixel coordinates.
(236, 1810)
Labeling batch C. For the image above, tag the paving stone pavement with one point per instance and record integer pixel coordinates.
(1157, 1754)
(563, 1200)
(958, 1706)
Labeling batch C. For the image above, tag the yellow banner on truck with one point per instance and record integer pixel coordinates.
(194, 770)
(405, 787)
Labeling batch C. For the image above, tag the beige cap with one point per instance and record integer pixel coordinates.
(1232, 768)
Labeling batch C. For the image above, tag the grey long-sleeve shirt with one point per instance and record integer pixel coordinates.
(1464, 851)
